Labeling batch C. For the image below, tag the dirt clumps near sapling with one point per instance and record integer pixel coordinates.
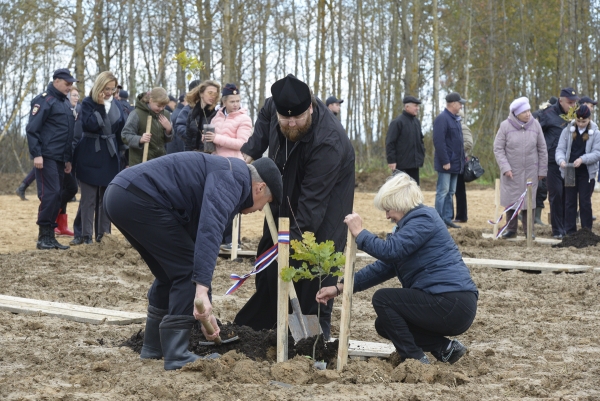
(580, 239)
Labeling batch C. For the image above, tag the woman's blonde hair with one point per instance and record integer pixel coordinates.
(399, 193)
(157, 95)
(103, 79)
(193, 96)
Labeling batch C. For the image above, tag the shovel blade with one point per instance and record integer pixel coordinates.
(229, 340)
(311, 322)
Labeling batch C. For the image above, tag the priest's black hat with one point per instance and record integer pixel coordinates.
(291, 96)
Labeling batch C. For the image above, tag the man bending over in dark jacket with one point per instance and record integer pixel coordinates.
(175, 219)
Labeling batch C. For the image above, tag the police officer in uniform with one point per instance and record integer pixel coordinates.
(49, 136)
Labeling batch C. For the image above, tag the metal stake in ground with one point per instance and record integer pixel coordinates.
(344, 339)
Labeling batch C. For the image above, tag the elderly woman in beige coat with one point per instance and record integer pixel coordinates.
(521, 154)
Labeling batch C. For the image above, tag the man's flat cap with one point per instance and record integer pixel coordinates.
(455, 97)
(193, 84)
(63, 73)
(291, 96)
(268, 171)
(411, 99)
(333, 99)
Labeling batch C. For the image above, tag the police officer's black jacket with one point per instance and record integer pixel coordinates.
(404, 142)
(51, 126)
(552, 125)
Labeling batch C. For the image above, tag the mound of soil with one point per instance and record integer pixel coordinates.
(255, 345)
(581, 239)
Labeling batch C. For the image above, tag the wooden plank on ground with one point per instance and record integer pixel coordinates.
(239, 253)
(369, 349)
(77, 313)
(545, 241)
(521, 265)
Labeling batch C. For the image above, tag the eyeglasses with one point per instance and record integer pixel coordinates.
(297, 119)
(109, 90)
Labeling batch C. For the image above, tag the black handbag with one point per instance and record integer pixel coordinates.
(473, 170)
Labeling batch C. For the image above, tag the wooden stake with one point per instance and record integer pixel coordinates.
(271, 223)
(497, 202)
(529, 214)
(283, 288)
(235, 236)
(344, 339)
(147, 144)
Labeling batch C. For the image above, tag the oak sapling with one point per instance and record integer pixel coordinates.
(319, 260)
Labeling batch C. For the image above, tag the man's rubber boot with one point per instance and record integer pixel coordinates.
(44, 239)
(63, 226)
(538, 216)
(175, 331)
(57, 244)
(152, 348)
(21, 191)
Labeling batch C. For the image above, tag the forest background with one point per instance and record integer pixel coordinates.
(368, 52)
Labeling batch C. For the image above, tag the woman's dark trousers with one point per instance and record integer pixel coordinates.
(416, 321)
(583, 189)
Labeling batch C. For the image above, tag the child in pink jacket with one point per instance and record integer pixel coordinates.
(233, 127)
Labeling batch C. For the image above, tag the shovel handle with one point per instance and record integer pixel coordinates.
(147, 144)
(206, 322)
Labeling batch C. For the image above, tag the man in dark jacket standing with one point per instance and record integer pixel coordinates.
(404, 142)
(316, 159)
(553, 124)
(175, 218)
(449, 159)
(49, 136)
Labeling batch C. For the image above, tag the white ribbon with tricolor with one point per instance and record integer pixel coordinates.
(516, 206)
(261, 263)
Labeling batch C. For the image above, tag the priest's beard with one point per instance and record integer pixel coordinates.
(297, 132)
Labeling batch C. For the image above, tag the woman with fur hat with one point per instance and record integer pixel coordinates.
(579, 144)
(521, 154)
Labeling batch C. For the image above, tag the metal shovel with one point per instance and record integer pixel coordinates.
(301, 326)
(209, 328)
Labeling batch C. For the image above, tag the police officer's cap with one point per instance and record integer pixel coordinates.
(587, 99)
(270, 174)
(291, 96)
(63, 73)
(230, 89)
(411, 99)
(123, 94)
(569, 93)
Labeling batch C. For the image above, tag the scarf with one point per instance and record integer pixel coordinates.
(107, 104)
